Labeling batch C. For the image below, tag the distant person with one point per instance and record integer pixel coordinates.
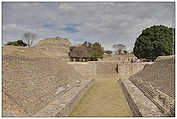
(117, 70)
(132, 60)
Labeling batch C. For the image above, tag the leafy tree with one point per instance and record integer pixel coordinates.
(87, 44)
(97, 50)
(17, 43)
(94, 49)
(108, 51)
(29, 38)
(119, 48)
(155, 41)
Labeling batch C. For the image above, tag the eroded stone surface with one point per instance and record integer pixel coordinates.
(157, 82)
(63, 105)
(139, 103)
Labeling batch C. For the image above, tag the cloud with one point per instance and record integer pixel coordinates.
(108, 23)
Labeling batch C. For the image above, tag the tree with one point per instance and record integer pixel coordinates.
(87, 44)
(97, 50)
(108, 52)
(29, 38)
(154, 41)
(125, 51)
(119, 48)
(17, 43)
(94, 49)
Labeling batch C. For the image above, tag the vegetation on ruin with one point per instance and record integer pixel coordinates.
(17, 43)
(155, 41)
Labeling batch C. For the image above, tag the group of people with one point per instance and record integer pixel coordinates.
(133, 59)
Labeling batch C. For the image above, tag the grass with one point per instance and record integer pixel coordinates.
(105, 98)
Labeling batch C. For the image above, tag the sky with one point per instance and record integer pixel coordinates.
(106, 23)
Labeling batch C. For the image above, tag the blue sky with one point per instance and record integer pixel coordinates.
(107, 23)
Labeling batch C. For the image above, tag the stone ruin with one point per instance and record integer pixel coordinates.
(157, 82)
(33, 84)
(53, 47)
(48, 86)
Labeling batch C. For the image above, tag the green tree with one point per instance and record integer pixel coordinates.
(94, 49)
(97, 50)
(155, 41)
(87, 44)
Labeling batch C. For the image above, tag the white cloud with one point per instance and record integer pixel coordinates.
(105, 22)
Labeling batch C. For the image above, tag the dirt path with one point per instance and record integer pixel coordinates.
(105, 98)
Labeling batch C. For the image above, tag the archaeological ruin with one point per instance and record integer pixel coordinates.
(42, 82)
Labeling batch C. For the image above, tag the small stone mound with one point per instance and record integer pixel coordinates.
(157, 81)
(53, 47)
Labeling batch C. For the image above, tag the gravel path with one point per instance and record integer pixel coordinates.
(105, 98)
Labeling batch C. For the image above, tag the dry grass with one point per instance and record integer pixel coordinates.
(105, 98)
(20, 51)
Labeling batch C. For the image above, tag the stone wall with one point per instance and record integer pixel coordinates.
(118, 68)
(84, 68)
(140, 105)
(157, 83)
(105, 67)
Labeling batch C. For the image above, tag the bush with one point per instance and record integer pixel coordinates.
(94, 49)
(154, 41)
(17, 43)
(97, 50)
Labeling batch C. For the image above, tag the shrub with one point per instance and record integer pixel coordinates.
(17, 43)
(94, 49)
